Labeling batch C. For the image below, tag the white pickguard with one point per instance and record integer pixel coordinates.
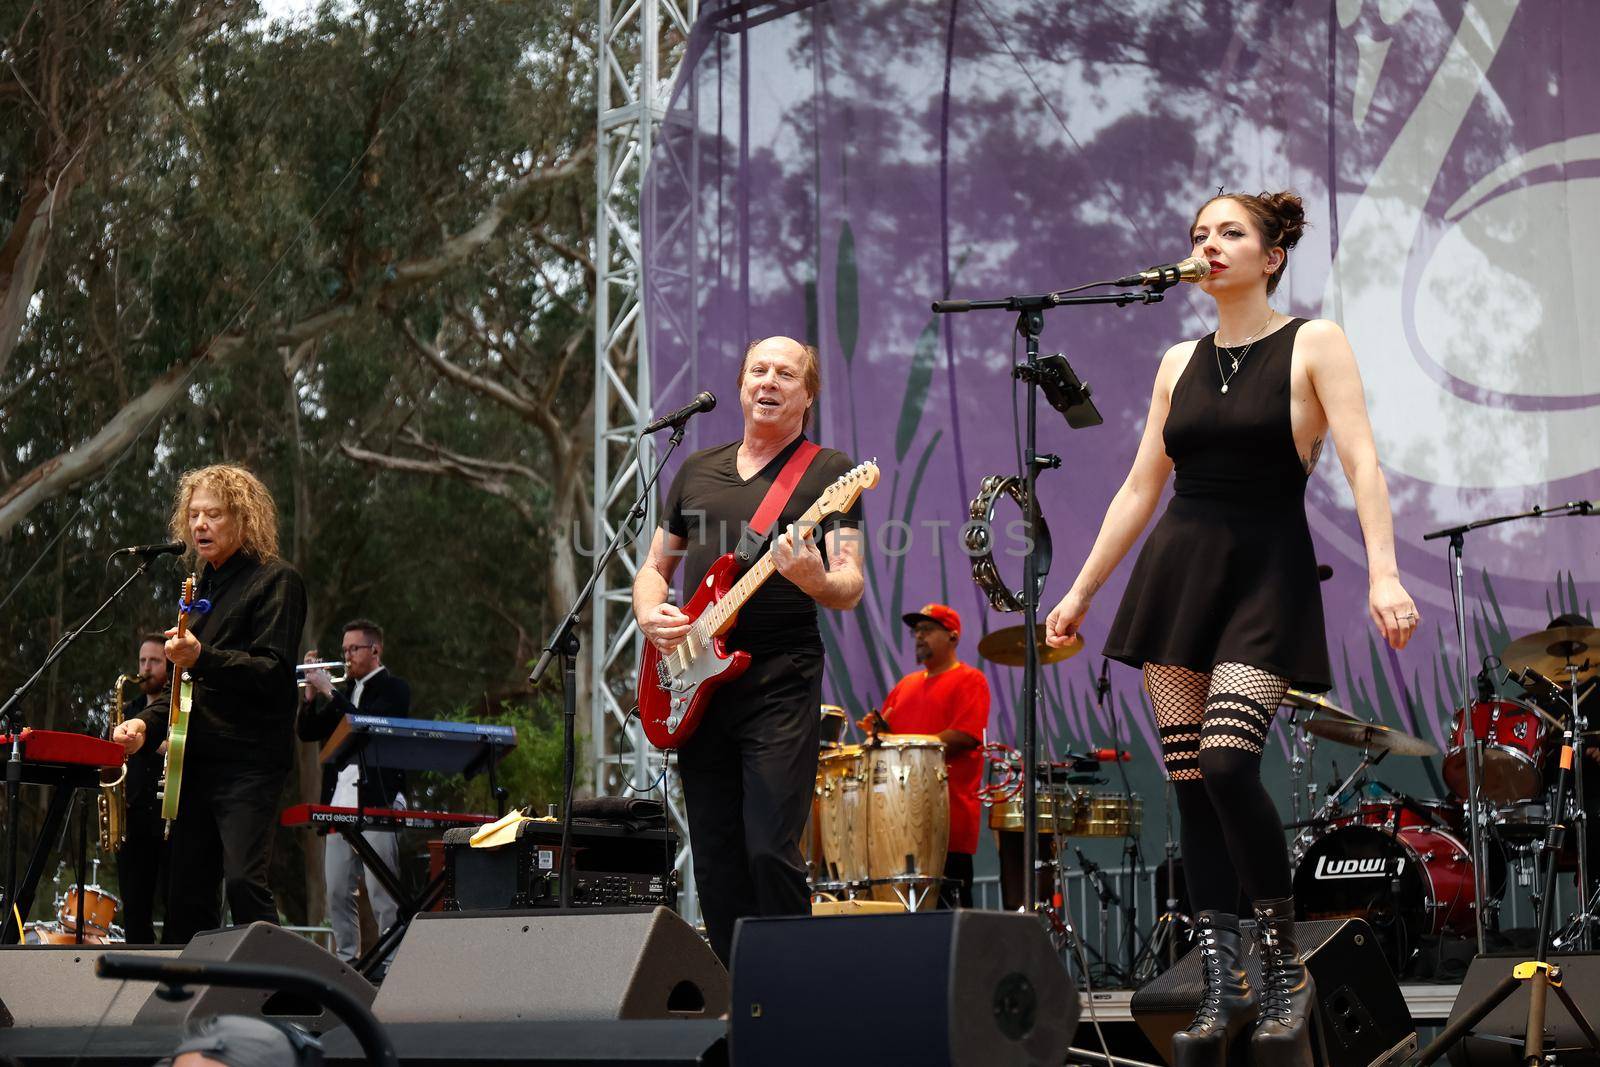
(682, 672)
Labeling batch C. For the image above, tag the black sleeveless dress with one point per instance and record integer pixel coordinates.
(1229, 575)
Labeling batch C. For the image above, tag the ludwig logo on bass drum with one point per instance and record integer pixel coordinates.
(1377, 867)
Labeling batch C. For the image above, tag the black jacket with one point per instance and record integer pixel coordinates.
(244, 693)
(384, 694)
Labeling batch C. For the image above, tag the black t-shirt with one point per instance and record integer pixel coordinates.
(709, 505)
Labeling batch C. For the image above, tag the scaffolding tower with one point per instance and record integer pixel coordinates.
(634, 38)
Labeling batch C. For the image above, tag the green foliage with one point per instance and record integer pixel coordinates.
(530, 774)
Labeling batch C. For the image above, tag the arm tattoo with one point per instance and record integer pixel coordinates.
(1311, 460)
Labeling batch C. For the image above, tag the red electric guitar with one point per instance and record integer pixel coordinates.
(674, 688)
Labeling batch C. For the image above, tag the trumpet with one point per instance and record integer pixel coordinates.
(300, 670)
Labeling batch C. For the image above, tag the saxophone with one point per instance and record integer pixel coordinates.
(113, 795)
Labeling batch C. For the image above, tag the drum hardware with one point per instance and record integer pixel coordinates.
(1510, 655)
(1541, 976)
(1161, 944)
(1551, 653)
(1008, 647)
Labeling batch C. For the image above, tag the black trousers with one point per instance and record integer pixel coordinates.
(142, 869)
(748, 775)
(222, 842)
(957, 891)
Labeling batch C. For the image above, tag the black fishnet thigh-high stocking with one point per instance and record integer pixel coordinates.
(1238, 714)
(1179, 698)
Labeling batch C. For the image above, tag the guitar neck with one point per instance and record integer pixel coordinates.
(721, 614)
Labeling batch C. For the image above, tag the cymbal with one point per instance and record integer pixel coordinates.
(1369, 735)
(1327, 709)
(1006, 647)
(1548, 652)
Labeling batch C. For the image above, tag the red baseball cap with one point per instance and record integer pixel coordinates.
(942, 614)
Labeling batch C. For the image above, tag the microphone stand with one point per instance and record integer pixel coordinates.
(1469, 740)
(564, 643)
(11, 723)
(1056, 377)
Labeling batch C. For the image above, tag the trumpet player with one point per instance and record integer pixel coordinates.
(142, 860)
(369, 689)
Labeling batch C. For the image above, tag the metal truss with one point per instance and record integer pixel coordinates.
(632, 106)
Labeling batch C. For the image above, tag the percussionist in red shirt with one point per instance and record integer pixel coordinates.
(951, 700)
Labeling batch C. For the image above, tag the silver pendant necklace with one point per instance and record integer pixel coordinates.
(1236, 360)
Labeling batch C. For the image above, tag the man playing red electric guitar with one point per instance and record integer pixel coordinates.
(749, 769)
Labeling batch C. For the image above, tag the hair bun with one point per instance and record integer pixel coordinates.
(1290, 212)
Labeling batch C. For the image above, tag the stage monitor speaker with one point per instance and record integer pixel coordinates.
(1364, 1017)
(55, 985)
(1497, 1039)
(546, 964)
(929, 988)
(261, 943)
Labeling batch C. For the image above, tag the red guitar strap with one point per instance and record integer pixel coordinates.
(772, 504)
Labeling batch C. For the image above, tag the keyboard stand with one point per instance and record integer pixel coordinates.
(371, 961)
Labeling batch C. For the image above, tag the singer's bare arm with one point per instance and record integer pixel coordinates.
(1130, 509)
(663, 624)
(1336, 378)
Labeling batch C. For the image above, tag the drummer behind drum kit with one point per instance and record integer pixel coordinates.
(1406, 865)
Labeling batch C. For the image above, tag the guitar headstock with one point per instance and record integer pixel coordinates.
(842, 494)
(186, 599)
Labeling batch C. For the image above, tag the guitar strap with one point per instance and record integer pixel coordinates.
(783, 487)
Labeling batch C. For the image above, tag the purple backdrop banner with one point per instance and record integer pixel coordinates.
(826, 170)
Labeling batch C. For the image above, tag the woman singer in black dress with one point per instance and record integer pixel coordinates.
(1222, 611)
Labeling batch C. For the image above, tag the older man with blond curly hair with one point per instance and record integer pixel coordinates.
(240, 655)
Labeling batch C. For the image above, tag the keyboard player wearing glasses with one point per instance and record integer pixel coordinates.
(368, 689)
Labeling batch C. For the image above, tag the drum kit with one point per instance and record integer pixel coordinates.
(1406, 865)
(99, 913)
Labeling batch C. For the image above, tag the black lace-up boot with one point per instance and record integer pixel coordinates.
(1287, 1026)
(1228, 1005)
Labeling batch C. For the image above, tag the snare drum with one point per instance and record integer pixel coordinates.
(99, 910)
(1513, 735)
(908, 817)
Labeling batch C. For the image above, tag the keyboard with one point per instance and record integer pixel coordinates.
(393, 819)
(419, 744)
(58, 757)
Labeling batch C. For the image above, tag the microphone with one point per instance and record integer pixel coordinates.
(1324, 572)
(1103, 685)
(1189, 270)
(1111, 755)
(703, 401)
(169, 548)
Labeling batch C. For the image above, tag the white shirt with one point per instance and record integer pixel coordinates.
(345, 791)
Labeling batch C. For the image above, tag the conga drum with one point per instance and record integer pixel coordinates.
(908, 818)
(841, 818)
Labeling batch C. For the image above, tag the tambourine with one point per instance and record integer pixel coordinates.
(978, 536)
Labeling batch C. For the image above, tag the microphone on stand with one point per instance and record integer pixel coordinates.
(1103, 685)
(168, 548)
(1324, 572)
(1188, 270)
(703, 401)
